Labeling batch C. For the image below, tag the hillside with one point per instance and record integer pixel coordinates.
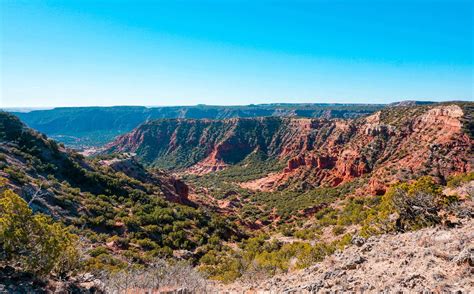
(81, 127)
(396, 143)
(29, 157)
(432, 259)
(120, 209)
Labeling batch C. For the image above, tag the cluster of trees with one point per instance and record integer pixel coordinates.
(254, 166)
(283, 204)
(288, 205)
(144, 227)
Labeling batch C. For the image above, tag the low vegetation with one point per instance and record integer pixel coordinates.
(159, 274)
(34, 242)
(404, 207)
(123, 219)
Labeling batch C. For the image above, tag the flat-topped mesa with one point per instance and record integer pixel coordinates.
(396, 143)
(83, 127)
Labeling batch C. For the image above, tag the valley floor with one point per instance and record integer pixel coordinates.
(437, 259)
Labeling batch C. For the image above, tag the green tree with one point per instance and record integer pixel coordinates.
(407, 206)
(33, 242)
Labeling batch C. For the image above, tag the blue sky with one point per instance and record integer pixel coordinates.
(76, 53)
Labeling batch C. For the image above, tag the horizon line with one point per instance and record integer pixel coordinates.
(231, 105)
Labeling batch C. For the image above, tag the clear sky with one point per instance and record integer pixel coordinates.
(76, 53)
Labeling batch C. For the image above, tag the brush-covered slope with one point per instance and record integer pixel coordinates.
(93, 126)
(430, 260)
(29, 154)
(107, 199)
(396, 143)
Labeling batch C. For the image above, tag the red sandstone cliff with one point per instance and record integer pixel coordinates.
(396, 143)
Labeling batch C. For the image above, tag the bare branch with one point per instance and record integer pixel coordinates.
(38, 193)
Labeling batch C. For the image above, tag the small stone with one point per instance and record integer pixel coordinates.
(358, 240)
(465, 256)
(88, 277)
(438, 277)
(352, 264)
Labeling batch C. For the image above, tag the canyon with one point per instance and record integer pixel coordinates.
(393, 144)
(245, 204)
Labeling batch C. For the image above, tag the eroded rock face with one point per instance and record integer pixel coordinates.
(390, 145)
(428, 143)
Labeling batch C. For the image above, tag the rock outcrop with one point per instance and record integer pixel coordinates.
(14, 281)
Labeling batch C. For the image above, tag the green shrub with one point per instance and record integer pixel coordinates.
(16, 175)
(98, 251)
(146, 244)
(338, 230)
(407, 206)
(457, 180)
(219, 265)
(34, 242)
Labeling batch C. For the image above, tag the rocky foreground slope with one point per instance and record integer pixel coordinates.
(439, 260)
(434, 259)
(394, 144)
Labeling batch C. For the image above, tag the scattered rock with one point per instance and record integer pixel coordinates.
(354, 262)
(87, 277)
(374, 267)
(412, 281)
(465, 256)
(358, 240)
(13, 281)
(182, 254)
